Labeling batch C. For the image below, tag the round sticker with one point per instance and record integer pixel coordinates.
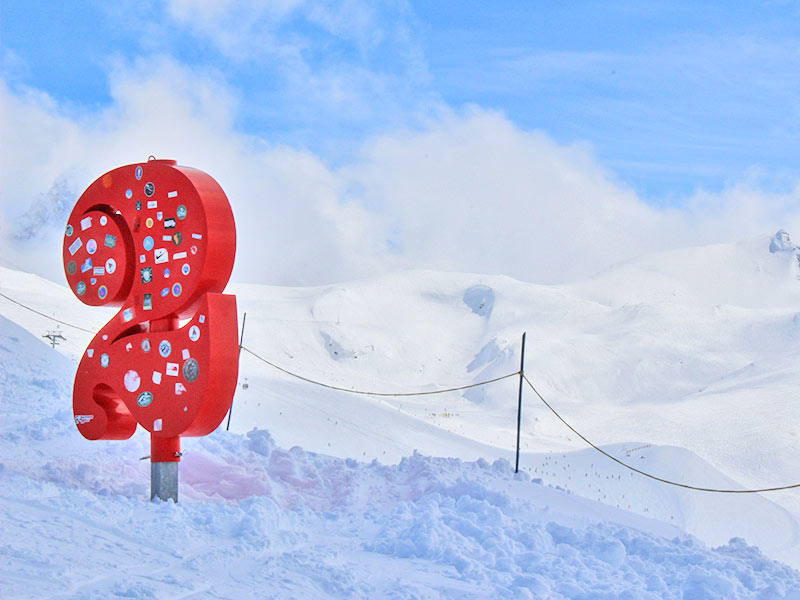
(193, 249)
(191, 370)
(80, 288)
(166, 273)
(91, 246)
(132, 381)
(186, 268)
(129, 193)
(103, 220)
(69, 230)
(138, 172)
(104, 360)
(165, 292)
(149, 222)
(177, 289)
(181, 212)
(148, 243)
(164, 348)
(194, 333)
(149, 189)
(145, 399)
(72, 267)
(102, 292)
(146, 345)
(111, 266)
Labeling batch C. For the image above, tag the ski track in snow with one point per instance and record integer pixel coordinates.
(258, 520)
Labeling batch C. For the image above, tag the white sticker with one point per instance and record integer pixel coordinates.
(104, 360)
(179, 389)
(111, 266)
(159, 215)
(194, 333)
(90, 352)
(105, 337)
(202, 318)
(178, 255)
(132, 381)
(161, 255)
(157, 425)
(127, 314)
(172, 369)
(172, 194)
(166, 238)
(91, 246)
(197, 236)
(103, 220)
(142, 258)
(164, 348)
(152, 204)
(185, 353)
(99, 271)
(186, 269)
(83, 419)
(86, 223)
(128, 346)
(75, 246)
(156, 377)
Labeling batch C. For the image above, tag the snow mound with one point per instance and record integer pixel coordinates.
(781, 243)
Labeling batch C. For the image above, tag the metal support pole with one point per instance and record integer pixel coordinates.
(165, 456)
(241, 341)
(519, 404)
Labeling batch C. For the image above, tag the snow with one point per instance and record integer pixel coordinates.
(683, 364)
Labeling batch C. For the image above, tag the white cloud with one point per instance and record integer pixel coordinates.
(468, 192)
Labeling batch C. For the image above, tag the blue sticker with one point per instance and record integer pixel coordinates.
(111, 241)
(165, 292)
(87, 265)
(177, 289)
(138, 172)
(129, 193)
(148, 243)
(166, 273)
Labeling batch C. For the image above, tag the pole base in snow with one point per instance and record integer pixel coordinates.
(164, 481)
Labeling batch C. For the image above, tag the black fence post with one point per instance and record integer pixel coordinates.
(519, 404)
(241, 341)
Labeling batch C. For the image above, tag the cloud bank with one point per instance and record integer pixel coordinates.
(467, 191)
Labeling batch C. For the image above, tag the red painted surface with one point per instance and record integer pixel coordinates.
(157, 240)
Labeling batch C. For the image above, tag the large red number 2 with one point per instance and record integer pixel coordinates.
(158, 240)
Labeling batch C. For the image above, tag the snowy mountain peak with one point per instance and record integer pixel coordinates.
(781, 242)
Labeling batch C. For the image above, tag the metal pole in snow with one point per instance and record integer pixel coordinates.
(519, 404)
(241, 340)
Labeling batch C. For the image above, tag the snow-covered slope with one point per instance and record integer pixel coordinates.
(682, 363)
(260, 521)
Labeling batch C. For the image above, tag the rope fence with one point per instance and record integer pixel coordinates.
(520, 374)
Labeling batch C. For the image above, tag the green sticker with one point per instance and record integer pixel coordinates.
(69, 230)
(80, 288)
(181, 212)
(71, 267)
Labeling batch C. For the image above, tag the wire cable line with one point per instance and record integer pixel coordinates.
(384, 394)
(46, 316)
(645, 474)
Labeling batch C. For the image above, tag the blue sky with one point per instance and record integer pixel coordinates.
(688, 109)
(670, 95)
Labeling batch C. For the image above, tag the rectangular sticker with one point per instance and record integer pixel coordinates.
(166, 238)
(157, 426)
(99, 271)
(161, 256)
(197, 236)
(87, 265)
(185, 354)
(127, 314)
(111, 241)
(152, 204)
(172, 194)
(172, 369)
(170, 223)
(178, 255)
(75, 246)
(86, 222)
(156, 377)
(148, 302)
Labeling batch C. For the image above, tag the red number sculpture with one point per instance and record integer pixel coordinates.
(157, 240)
